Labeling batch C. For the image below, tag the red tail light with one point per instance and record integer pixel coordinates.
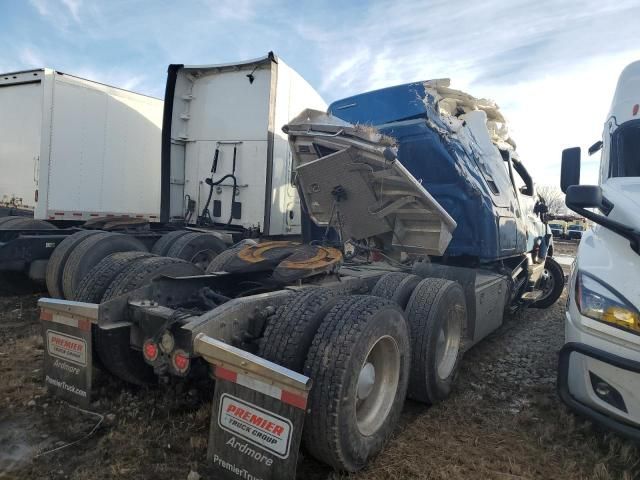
(180, 361)
(150, 350)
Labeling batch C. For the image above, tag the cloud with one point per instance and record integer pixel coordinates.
(60, 13)
(551, 66)
(241, 10)
(30, 58)
(74, 8)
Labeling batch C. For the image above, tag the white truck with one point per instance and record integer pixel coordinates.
(599, 366)
(219, 164)
(73, 149)
(225, 159)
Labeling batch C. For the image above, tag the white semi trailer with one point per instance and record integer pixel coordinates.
(74, 149)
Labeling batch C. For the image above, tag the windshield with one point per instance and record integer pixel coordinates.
(555, 225)
(576, 227)
(625, 161)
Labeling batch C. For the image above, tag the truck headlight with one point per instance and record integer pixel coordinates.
(596, 300)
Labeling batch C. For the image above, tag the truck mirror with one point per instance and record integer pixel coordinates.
(596, 147)
(584, 196)
(570, 172)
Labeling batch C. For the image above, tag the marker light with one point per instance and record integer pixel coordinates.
(597, 301)
(636, 107)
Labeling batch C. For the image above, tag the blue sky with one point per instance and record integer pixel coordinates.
(550, 65)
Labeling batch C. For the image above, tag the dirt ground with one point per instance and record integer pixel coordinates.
(503, 421)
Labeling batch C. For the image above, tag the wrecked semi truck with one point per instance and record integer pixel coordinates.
(599, 365)
(418, 239)
(217, 171)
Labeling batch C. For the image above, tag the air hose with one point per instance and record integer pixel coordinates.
(206, 214)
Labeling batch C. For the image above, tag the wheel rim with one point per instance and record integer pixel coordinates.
(549, 284)
(377, 385)
(203, 258)
(448, 343)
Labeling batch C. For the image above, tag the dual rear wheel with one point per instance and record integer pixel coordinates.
(364, 354)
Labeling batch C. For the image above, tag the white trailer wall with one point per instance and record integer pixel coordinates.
(103, 153)
(81, 148)
(214, 105)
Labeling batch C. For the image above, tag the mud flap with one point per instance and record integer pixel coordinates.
(66, 331)
(257, 414)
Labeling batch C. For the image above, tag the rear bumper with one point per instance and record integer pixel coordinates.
(606, 410)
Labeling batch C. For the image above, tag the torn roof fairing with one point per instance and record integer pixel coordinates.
(457, 104)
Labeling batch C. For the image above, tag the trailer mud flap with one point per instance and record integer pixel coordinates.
(257, 414)
(66, 330)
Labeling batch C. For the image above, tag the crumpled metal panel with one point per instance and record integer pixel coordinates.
(350, 179)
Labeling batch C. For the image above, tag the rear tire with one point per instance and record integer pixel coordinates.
(289, 333)
(219, 262)
(437, 315)
(556, 277)
(164, 243)
(58, 260)
(396, 286)
(197, 248)
(90, 252)
(95, 283)
(113, 346)
(359, 363)
(143, 271)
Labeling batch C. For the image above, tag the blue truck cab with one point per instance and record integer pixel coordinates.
(457, 162)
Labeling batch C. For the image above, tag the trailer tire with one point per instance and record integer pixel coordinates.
(89, 252)
(95, 283)
(556, 276)
(354, 411)
(396, 286)
(197, 248)
(161, 247)
(219, 262)
(58, 260)
(436, 312)
(6, 222)
(26, 223)
(144, 270)
(289, 333)
(7, 218)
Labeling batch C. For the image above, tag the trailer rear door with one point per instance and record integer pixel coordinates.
(20, 129)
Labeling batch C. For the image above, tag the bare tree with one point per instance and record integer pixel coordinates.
(553, 198)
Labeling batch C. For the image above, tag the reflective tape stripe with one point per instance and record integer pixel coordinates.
(224, 374)
(285, 396)
(79, 323)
